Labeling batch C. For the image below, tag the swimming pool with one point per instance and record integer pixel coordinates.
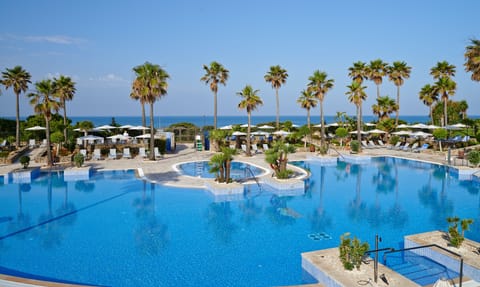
(239, 170)
(116, 230)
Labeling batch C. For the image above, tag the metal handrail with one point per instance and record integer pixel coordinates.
(254, 177)
(427, 246)
(341, 155)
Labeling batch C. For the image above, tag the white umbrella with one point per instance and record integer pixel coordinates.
(332, 125)
(402, 133)
(91, 138)
(105, 127)
(442, 282)
(295, 126)
(456, 127)
(147, 136)
(126, 127)
(421, 134)
(139, 128)
(237, 133)
(266, 127)
(377, 131)
(281, 133)
(361, 132)
(318, 126)
(246, 125)
(35, 128)
(229, 127)
(119, 137)
(432, 127)
(419, 126)
(370, 124)
(260, 133)
(403, 126)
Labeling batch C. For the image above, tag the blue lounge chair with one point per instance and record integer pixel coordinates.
(423, 147)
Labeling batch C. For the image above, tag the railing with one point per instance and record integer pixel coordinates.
(247, 169)
(428, 246)
(341, 155)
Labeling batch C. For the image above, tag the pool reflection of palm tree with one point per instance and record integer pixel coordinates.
(320, 220)
(357, 208)
(66, 207)
(85, 185)
(48, 230)
(220, 220)
(23, 219)
(439, 204)
(250, 210)
(397, 216)
(151, 236)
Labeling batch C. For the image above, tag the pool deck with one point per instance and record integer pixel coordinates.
(162, 171)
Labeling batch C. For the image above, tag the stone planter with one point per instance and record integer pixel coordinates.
(77, 173)
(24, 175)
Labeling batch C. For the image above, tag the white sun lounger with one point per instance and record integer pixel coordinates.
(96, 154)
(126, 153)
(113, 153)
(142, 153)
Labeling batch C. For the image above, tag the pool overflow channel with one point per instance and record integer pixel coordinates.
(390, 250)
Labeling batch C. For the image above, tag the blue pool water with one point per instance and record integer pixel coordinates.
(238, 169)
(116, 230)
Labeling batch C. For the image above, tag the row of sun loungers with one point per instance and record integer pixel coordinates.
(113, 153)
(254, 148)
(398, 146)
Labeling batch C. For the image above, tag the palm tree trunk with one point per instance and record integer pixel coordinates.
(398, 106)
(17, 128)
(431, 114)
(64, 120)
(308, 118)
(214, 110)
(278, 108)
(445, 104)
(144, 120)
(359, 120)
(248, 133)
(47, 135)
(322, 122)
(152, 136)
(378, 91)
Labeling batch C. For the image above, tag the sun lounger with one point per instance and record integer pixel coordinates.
(113, 153)
(381, 144)
(84, 153)
(255, 148)
(414, 146)
(396, 146)
(96, 154)
(142, 153)
(265, 147)
(31, 143)
(244, 148)
(423, 147)
(371, 144)
(126, 153)
(157, 152)
(405, 146)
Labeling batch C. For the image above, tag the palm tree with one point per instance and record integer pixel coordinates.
(463, 107)
(307, 101)
(64, 89)
(44, 102)
(356, 95)
(215, 74)
(384, 107)
(443, 70)
(250, 102)
(136, 94)
(153, 83)
(376, 71)
(358, 72)
(472, 59)
(446, 88)
(397, 73)
(18, 79)
(428, 96)
(319, 85)
(277, 77)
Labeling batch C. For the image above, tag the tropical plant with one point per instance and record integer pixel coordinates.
(397, 73)
(439, 135)
(445, 87)
(455, 237)
(352, 251)
(472, 59)
(463, 107)
(474, 157)
(44, 102)
(18, 79)
(24, 161)
(356, 94)
(340, 118)
(319, 85)
(341, 133)
(358, 72)
(277, 76)
(376, 70)
(250, 101)
(64, 89)
(220, 164)
(428, 96)
(218, 137)
(78, 159)
(355, 146)
(85, 126)
(277, 157)
(136, 94)
(384, 107)
(215, 74)
(153, 85)
(443, 70)
(307, 101)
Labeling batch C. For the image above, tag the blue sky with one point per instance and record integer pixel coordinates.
(98, 43)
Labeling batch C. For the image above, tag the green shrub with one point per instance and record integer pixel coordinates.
(78, 159)
(352, 251)
(4, 153)
(394, 140)
(474, 157)
(455, 237)
(355, 146)
(25, 161)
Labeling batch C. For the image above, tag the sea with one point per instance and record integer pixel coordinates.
(200, 121)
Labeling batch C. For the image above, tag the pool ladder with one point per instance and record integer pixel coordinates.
(198, 168)
(248, 170)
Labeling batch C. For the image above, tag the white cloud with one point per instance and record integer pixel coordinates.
(110, 79)
(53, 39)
